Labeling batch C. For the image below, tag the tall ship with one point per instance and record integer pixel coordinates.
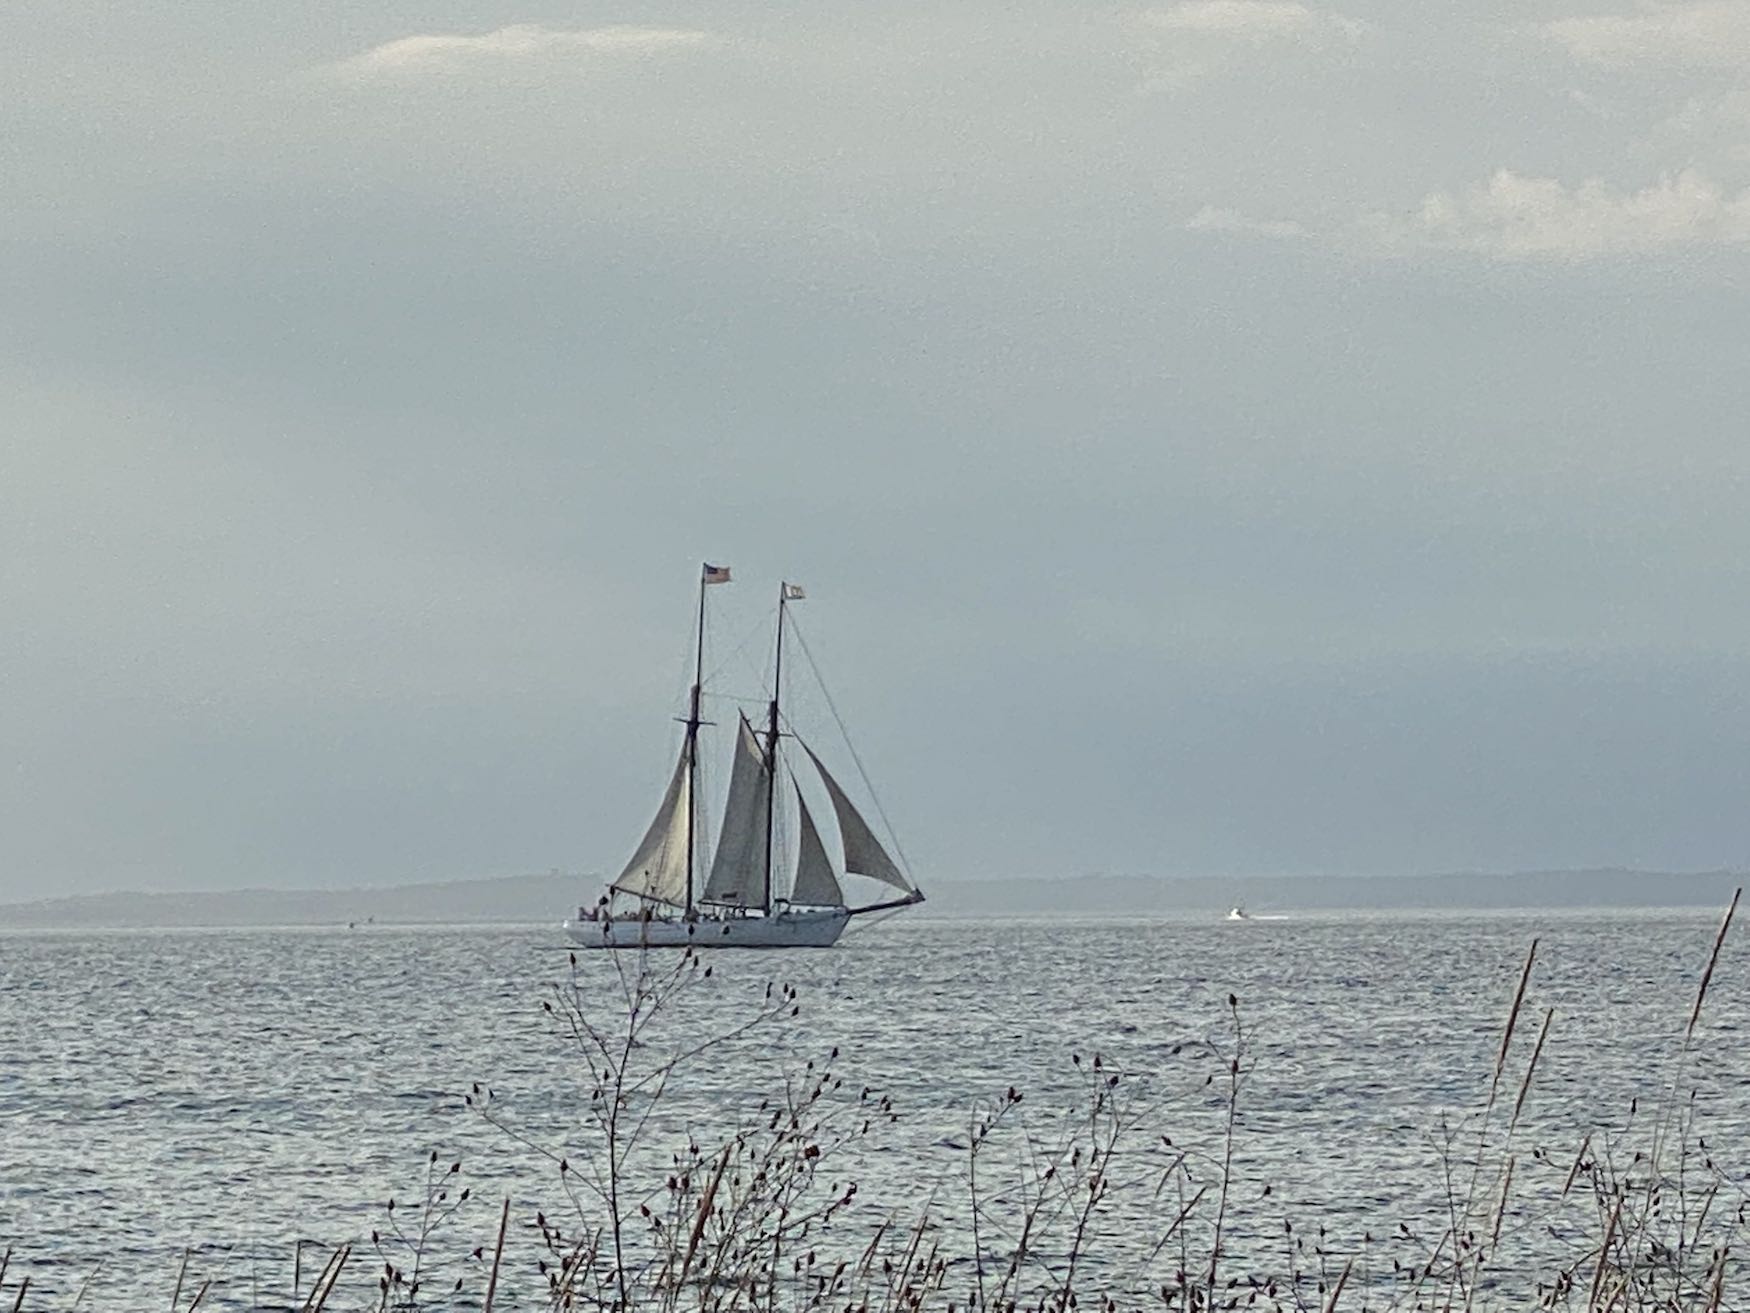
(755, 888)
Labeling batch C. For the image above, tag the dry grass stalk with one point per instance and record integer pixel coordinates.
(707, 1201)
(1719, 1283)
(1712, 960)
(1531, 1067)
(340, 1257)
(1337, 1290)
(325, 1281)
(181, 1272)
(23, 1290)
(497, 1255)
(1579, 1158)
(1501, 1206)
(1227, 1150)
(1460, 1218)
(1513, 1014)
(1604, 1255)
(1662, 1130)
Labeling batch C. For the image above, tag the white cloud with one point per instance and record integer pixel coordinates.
(1518, 217)
(1708, 34)
(1214, 219)
(521, 42)
(1251, 20)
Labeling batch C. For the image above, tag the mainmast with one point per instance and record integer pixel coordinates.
(772, 745)
(693, 736)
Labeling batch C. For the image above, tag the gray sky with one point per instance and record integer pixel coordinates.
(1229, 435)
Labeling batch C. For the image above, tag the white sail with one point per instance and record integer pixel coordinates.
(864, 854)
(738, 872)
(816, 885)
(659, 868)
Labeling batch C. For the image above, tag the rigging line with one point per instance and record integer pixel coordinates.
(736, 700)
(844, 733)
(740, 649)
(873, 921)
(686, 661)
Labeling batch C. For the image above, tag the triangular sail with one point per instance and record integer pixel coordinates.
(816, 885)
(658, 870)
(864, 854)
(738, 872)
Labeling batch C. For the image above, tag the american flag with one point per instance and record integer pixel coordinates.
(716, 574)
(793, 593)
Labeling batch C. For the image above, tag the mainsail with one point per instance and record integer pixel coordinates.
(864, 854)
(815, 885)
(658, 869)
(738, 872)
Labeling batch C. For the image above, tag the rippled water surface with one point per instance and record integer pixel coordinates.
(234, 1092)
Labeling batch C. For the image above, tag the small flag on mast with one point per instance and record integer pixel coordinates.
(716, 574)
(793, 593)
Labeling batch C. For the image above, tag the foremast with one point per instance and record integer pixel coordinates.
(664, 869)
(692, 748)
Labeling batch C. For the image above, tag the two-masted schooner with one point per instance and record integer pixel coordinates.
(749, 894)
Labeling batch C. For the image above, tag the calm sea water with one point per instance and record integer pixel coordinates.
(235, 1092)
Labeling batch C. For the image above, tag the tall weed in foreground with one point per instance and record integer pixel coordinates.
(1094, 1205)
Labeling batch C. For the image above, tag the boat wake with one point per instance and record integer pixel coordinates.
(1240, 914)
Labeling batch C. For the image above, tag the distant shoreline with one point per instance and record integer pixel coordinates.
(545, 900)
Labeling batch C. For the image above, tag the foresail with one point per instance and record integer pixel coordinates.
(816, 885)
(864, 854)
(738, 872)
(659, 868)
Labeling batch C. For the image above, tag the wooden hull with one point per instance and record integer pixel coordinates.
(819, 928)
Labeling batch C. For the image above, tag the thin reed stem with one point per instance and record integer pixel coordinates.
(1337, 1290)
(1604, 1255)
(340, 1257)
(181, 1272)
(1531, 1067)
(1227, 1143)
(1513, 1016)
(1713, 959)
(1662, 1131)
(497, 1255)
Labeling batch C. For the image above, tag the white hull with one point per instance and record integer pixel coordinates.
(786, 929)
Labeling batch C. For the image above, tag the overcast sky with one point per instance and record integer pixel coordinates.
(1217, 436)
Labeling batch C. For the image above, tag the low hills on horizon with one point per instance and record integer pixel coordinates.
(537, 899)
